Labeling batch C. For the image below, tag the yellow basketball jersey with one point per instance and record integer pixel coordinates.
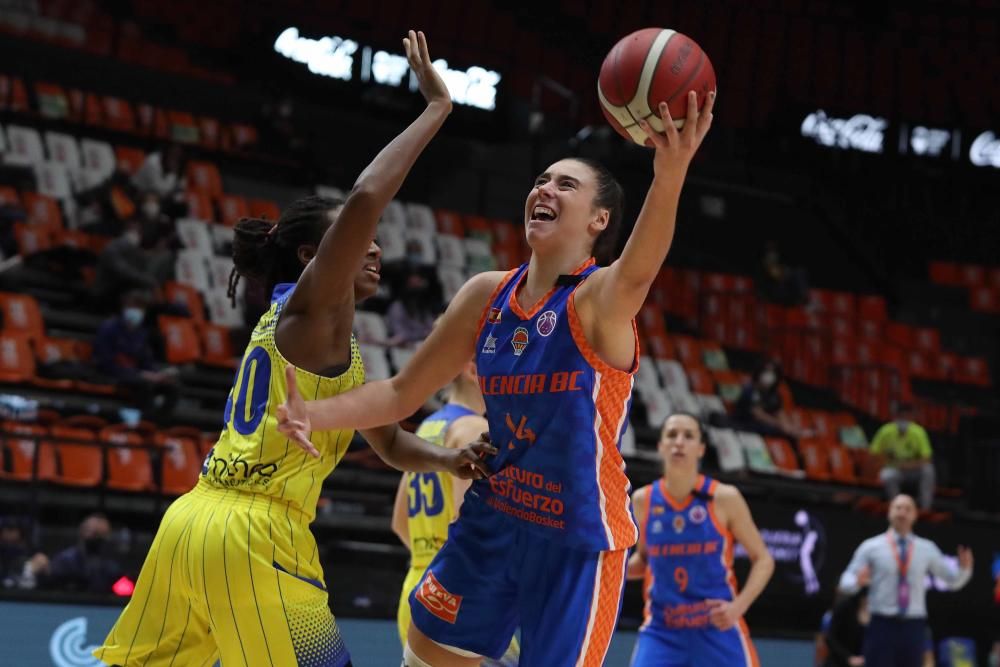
(430, 498)
(251, 455)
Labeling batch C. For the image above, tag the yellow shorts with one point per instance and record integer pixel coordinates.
(413, 577)
(232, 576)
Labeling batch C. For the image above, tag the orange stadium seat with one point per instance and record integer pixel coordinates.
(78, 455)
(264, 208)
(21, 315)
(815, 459)
(129, 159)
(13, 95)
(204, 177)
(129, 467)
(186, 296)
(782, 454)
(183, 127)
(9, 196)
(199, 205)
(182, 344)
(210, 132)
(218, 346)
(52, 100)
(701, 380)
(20, 452)
(232, 208)
(688, 351)
(841, 464)
(31, 238)
(180, 464)
(945, 273)
(42, 210)
(118, 115)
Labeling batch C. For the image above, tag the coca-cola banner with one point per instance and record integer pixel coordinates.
(873, 134)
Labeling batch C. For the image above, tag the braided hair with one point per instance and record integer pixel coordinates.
(268, 252)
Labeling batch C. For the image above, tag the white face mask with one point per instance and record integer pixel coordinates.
(151, 210)
(768, 378)
(132, 236)
(133, 316)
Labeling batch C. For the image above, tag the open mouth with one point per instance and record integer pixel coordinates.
(373, 269)
(542, 213)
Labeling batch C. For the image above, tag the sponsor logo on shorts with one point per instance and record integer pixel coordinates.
(698, 514)
(546, 323)
(437, 600)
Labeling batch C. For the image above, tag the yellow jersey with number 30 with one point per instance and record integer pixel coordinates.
(251, 454)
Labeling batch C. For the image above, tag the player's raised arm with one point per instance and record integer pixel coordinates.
(329, 279)
(435, 363)
(622, 288)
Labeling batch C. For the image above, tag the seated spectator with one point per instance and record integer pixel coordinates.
(908, 456)
(123, 353)
(411, 315)
(18, 568)
(87, 566)
(162, 172)
(779, 283)
(761, 407)
(123, 266)
(158, 237)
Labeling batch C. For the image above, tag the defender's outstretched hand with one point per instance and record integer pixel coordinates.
(467, 462)
(432, 86)
(293, 419)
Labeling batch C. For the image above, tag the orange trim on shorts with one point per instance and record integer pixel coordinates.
(748, 648)
(515, 306)
(604, 605)
(493, 297)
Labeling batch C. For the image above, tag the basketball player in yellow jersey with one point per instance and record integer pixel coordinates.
(233, 572)
(427, 503)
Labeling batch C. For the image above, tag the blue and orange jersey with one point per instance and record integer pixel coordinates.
(251, 454)
(557, 413)
(430, 501)
(689, 555)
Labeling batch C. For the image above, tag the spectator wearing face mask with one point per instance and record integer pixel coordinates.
(411, 316)
(908, 456)
(162, 173)
(88, 565)
(761, 406)
(158, 237)
(123, 354)
(123, 266)
(18, 567)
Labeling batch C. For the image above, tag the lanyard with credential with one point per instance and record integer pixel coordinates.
(903, 595)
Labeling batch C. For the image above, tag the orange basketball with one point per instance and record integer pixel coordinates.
(648, 67)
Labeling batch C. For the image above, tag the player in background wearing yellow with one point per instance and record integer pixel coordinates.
(427, 503)
(233, 572)
(688, 527)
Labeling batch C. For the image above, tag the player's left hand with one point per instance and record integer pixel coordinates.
(675, 148)
(723, 614)
(432, 86)
(964, 558)
(467, 462)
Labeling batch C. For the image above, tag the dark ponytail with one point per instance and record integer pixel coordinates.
(611, 196)
(268, 252)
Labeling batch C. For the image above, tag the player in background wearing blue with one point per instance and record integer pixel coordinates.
(688, 527)
(543, 543)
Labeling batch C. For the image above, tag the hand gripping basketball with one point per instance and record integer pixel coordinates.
(675, 148)
(293, 418)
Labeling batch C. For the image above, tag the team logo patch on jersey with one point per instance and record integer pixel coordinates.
(657, 509)
(519, 341)
(490, 346)
(437, 600)
(493, 317)
(698, 514)
(679, 523)
(546, 323)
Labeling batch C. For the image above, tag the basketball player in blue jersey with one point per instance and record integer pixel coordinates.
(543, 543)
(688, 527)
(233, 571)
(427, 503)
